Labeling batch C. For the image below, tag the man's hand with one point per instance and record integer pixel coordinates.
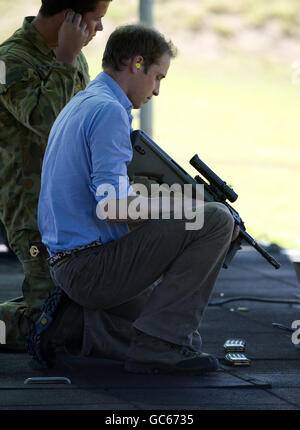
(72, 36)
(236, 232)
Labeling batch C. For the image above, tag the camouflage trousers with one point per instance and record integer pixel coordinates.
(19, 316)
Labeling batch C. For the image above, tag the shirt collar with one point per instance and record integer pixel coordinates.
(116, 89)
(31, 33)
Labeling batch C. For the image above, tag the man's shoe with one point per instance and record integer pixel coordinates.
(60, 327)
(39, 343)
(151, 355)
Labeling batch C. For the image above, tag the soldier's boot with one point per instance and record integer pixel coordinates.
(16, 319)
(59, 326)
(19, 315)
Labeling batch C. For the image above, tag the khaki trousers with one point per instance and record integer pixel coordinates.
(115, 282)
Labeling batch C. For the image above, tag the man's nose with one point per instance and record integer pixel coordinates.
(156, 90)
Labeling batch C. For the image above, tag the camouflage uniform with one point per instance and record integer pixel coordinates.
(37, 87)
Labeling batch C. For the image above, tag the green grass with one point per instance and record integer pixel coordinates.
(241, 118)
(256, 13)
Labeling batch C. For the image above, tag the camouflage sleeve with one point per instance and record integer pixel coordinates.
(35, 96)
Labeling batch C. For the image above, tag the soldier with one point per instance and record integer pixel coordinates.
(44, 68)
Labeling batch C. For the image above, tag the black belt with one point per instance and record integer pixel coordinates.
(62, 255)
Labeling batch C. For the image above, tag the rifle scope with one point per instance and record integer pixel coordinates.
(213, 178)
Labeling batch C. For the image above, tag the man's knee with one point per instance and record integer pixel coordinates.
(222, 215)
(224, 212)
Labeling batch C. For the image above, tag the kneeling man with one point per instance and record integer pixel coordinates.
(105, 267)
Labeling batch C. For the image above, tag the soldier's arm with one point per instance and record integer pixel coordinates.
(36, 95)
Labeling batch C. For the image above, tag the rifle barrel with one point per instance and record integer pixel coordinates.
(261, 250)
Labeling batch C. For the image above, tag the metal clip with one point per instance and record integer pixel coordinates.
(34, 251)
(236, 359)
(234, 345)
(48, 380)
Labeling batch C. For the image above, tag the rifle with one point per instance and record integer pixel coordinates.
(151, 161)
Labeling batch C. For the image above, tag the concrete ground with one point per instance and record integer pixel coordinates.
(257, 295)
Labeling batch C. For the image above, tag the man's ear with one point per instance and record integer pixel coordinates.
(136, 63)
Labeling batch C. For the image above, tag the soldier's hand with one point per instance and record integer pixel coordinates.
(72, 36)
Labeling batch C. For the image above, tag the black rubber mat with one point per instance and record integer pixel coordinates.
(270, 382)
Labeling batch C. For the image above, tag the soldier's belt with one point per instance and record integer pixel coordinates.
(63, 255)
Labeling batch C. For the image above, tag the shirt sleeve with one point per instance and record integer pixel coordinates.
(35, 96)
(111, 152)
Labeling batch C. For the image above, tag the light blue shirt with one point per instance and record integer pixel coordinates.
(89, 145)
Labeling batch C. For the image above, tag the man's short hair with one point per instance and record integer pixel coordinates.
(129, 41)
(52, 7)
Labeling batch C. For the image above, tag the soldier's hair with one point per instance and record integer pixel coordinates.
(52, 7)
(129, 41)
